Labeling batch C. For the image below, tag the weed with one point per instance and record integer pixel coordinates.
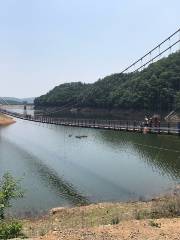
(141, 214)
(154, 224)
(115, 221)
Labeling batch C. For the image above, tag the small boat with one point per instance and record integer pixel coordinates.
(81, 136)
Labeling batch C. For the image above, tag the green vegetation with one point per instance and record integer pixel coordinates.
(155, 88)
(9, 189)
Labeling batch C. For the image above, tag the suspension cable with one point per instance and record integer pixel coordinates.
(152, 50)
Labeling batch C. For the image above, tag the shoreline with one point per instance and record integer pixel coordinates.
(5, 120)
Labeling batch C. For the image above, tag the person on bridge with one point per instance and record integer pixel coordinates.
(146, 121)
(146, 124)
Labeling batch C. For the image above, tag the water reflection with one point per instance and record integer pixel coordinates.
(50, 178)
(158, 151)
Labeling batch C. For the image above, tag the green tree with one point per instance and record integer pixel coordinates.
(177, 100)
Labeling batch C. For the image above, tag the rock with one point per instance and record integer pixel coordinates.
(56, 210)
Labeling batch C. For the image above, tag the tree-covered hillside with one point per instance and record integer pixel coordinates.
(155, 88)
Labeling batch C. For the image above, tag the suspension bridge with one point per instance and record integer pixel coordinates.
(167, 46)
(116, 125)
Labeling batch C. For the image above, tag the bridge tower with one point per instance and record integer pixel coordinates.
(25, 110)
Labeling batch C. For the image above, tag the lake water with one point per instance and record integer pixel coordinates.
(58, 169)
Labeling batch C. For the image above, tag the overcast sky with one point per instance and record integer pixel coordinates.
(44, 43)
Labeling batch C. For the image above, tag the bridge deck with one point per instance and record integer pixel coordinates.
(118, 125)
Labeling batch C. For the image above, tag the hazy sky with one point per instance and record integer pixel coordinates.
(44, 43)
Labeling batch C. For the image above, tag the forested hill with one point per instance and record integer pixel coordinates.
(155, 88)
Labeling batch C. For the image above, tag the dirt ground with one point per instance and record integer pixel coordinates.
(135, 229)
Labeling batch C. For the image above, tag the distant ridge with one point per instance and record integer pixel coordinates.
(13, 100)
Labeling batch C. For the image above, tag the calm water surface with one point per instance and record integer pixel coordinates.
(58, 169)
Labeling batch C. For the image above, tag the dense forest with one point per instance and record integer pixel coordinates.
(157, 87)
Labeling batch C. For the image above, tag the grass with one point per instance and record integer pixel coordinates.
(83, 217)
(165, 208)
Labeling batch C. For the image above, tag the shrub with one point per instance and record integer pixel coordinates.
(10, 230)
(9, 189)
